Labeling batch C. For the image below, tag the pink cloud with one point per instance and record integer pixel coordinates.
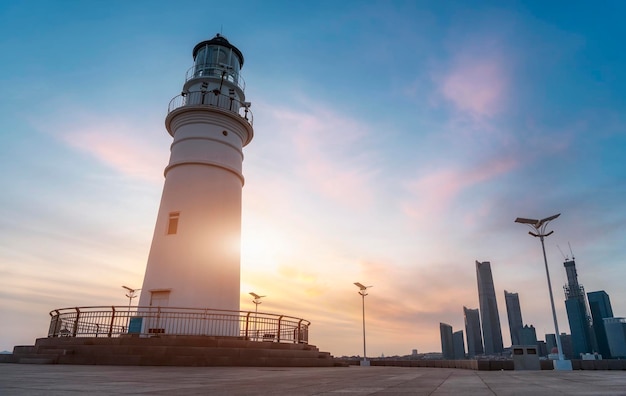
(329, 153)
(120, 150)
(435, 191)
(133, 149)
(476, 80)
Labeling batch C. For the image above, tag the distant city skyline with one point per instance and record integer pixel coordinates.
(395, 142)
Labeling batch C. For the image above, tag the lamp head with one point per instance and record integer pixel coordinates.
(361, 286)
(526, 221)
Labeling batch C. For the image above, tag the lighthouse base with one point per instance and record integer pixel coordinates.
(171, 351)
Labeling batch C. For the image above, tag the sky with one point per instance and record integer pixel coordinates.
(395, 144)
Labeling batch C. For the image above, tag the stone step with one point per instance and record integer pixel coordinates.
(175, 351)
(24, 349)
(181, 360)
(36, 361)
(36, 358)
(7, 358)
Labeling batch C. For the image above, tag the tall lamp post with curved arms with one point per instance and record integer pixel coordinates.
(363, 293)
(131, 294)
(256, 301)
(539, 226)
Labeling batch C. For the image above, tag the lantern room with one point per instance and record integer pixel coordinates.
(217, 58)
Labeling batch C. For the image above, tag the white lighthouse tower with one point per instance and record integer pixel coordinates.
(194, 260)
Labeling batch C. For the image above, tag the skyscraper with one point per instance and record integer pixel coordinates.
(577, 313)
(514, 314)
(600, 306)
(492, 332)
(616, 335)
(459, 345)
(447, 341)
(566, 343)
(528, 335)
(550, 342)
(472, 332)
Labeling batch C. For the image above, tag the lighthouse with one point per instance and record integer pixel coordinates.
(194, 259)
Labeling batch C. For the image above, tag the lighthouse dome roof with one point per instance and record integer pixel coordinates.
(219, 40)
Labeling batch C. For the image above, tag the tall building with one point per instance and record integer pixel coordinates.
(514, 313)
(472, 332)
(492, 332)
(459, 345)
(194, 260)
(550, 342)
(577, 314)
(600, 306)
(616, 336)
(528, 335)
(566, 343)
(542, 349)
(447, 341)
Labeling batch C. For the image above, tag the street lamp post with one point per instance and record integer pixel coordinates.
(540, 232)
(256, 301)
(363, 293)
(131, 294)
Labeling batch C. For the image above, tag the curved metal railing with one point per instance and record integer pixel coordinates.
(216, 71)
(212, 98)
(116, 321)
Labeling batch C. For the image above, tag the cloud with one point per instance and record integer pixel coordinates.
(330, 152)
(128, 146)
(475, 78)
(434, 192)
(115, 146)
(475, 85)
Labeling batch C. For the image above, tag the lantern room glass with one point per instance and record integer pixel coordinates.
(213, 60)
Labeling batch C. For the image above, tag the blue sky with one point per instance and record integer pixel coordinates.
(395, 143)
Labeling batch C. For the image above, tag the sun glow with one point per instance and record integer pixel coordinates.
(263, 246)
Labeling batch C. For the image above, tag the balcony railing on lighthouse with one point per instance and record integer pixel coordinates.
(212, 99)
(120, 321)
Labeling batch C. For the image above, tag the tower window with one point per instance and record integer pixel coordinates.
(172, 225)
(225, 133)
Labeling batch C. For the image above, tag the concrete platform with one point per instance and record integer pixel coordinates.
(20, 379)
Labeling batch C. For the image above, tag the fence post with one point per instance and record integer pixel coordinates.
(280, 318)
(299, 331)
(53, 331)
(76, 322)
(112, 319)
(247, 323)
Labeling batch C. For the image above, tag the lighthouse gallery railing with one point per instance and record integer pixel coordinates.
(116, 321)
(212, 99)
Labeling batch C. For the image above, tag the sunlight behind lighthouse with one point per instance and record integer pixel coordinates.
(263, 246)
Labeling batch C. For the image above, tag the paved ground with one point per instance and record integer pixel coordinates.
(22, 379)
